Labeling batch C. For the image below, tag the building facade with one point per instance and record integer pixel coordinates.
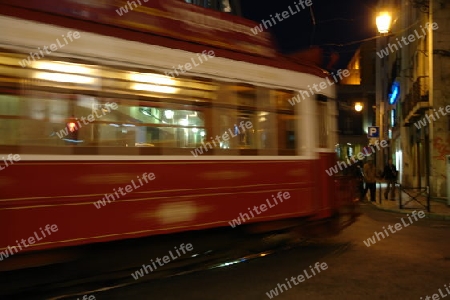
(358, 87)
(413, 91)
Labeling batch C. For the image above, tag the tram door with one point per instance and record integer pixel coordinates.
(326, 127)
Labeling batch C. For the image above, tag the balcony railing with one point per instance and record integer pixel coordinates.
(416, 100)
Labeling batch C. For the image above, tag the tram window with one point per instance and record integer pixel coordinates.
(203, 3)
(288, 122)
(10, 115)
(150, 125)
(165, 116)
(238, 127)
(53, 114)
(323, 122)
(40, 118)
(266, 130)
(273, 120)
(235, 112)
(267, 122)
(32, 118)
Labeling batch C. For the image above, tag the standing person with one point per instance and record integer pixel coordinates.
(390, 174)
(356, 171)
(360, 179)
(370, 179)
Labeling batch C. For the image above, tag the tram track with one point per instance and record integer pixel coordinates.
(177, 272)
(237, 251)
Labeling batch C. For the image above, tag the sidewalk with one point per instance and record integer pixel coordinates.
(438, 209)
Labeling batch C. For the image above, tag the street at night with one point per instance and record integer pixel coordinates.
(409, 264)
(224, 150)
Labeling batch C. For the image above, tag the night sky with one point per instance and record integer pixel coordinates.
(338, 23)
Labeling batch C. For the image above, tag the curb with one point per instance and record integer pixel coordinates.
(432, 216)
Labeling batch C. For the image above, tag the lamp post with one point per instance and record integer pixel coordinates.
(383, 22)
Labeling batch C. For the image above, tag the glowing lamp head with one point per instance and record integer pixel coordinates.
(358, 106)
(384, 20)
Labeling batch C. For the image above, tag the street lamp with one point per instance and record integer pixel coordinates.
(384, 21)
(358, 106)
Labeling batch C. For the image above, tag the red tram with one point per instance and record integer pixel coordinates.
(93, 102)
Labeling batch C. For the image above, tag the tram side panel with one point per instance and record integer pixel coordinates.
(183, 195)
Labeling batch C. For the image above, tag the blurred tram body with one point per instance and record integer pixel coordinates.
(158, 123)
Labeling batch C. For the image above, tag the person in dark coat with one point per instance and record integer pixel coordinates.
(360, 179)
(370, 179)
(390, 175)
